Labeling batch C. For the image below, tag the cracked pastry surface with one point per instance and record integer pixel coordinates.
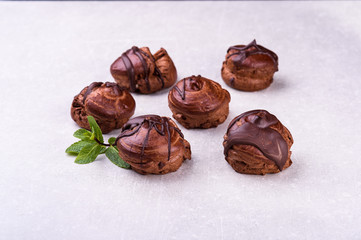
(256, 142)
(152, 144)
(249, 67)
(110, 106)
(138, 70)
(198, 102)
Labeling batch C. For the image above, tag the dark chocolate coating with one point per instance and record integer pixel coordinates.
(249, 67)
(243, 52)
(152, 144)
(130, 68)
(90, 89)
(110, 105)
(140, 71)
(198, 102)
(159, 124)
(256, 131)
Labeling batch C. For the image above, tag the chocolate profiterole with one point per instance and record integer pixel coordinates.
(138, 70)
(153, 145)
(110, 106)
(250, 67)
(198, 102)
(256, 142)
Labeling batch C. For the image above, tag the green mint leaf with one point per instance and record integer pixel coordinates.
(82, 134)
(112, 154)
(111, 140)
(92, 136)
(88, 153)
(96, 129)
(75, 148)
(104, 149)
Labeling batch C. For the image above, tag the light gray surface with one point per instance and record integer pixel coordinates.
(50, 51)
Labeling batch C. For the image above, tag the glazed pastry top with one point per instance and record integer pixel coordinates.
(252, 56)
(258, 128)
(197, 95)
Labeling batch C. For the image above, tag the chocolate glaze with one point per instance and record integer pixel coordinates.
(90, 89)
(109, 104)
(137, 51)
(255, 130)
(252, 48)
(196, 96)
(131, 71)
(182, 92)
(156, 69)
(159, 124)
(194, 83)
(115, 87)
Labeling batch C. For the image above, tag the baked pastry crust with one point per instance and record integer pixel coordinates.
(110, 106)
(256, 142)
(153, 145)
(198, 102)
(250, 67)
(138, 70)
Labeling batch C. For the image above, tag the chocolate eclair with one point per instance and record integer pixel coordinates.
(249, 67)
(110, 105)
(256, 142)
(153, 145)
(198, 102)
(138, 70)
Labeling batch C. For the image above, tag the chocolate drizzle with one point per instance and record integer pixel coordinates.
(90, 89)
(116, 88)
(157, 72)
(182, 93)
(131, 71)
(255, 130)
(252, 49)
(137, 51)
(194, 80)
(159, 124)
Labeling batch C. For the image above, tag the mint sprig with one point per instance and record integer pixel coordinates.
(82, 134)
(112, 154)
(91, 145)
(95, 129)
(76, 147)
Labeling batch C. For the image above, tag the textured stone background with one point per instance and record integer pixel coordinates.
(50, 51)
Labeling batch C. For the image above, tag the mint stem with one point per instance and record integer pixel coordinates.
(104, 144)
